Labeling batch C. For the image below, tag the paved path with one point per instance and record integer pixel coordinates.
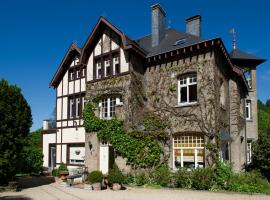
(53, 192)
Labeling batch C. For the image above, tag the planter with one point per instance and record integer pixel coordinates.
(116, 186)
(63, 175)
(96, 186)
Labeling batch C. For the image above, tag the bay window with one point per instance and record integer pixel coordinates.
(187, 89)
(188, 151)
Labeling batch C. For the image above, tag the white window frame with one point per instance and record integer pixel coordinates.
(248, 106)
(249, 151)
(196, 148)
(78, 100)
(108, 108)
(98, 67)
(71, 103)
(107, 63)
(115, 61)
(72, 75)
(184, 82)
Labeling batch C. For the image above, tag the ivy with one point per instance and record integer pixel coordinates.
(140, 151)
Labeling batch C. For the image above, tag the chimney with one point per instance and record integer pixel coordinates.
(193, 25)
(158, 24)
(45, 124)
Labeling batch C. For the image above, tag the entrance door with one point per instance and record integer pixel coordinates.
(104, 157)
(52, 155)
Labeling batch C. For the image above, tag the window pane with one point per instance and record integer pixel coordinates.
(192, 93)
(183, 93)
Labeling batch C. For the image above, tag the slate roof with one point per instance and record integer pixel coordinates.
(168, 43)
(242, 57)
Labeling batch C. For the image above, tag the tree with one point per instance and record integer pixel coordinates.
(15, 122)
(32, 156)
(261, 155)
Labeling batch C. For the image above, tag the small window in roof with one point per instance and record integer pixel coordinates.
(180, 41)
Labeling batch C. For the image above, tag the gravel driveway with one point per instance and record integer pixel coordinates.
(54, 192)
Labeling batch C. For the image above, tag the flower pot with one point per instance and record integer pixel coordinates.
(96, 186)
(63, 175)
(116, 186)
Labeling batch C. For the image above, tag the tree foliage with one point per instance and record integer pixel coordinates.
(261, 155)
(15, 122)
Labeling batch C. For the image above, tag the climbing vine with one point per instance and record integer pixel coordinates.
(139, 148)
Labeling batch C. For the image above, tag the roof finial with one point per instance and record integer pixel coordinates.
(233, 32)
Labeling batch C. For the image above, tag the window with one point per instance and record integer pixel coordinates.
(247, 75)
(116, 66)
(76, 154)
(248, 109)
(83, 102)
(107, 70)
(188, 151)
(78, 106)
(71, 75)
(71, 107)
(107, 107)
(187, 89)
(98, 70)
(249, 151)
(77, 73)
(83, 72)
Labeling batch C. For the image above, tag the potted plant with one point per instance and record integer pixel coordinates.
(63, 171)
(95, 178)
(116, 178)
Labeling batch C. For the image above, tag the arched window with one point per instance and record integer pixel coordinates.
(187, 89)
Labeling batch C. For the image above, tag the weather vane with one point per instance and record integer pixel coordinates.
(233, 32)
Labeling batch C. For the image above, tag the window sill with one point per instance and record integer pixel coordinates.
(249, 120)
(187, 105)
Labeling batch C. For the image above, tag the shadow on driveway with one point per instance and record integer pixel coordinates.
(33, 181)
(17, 197)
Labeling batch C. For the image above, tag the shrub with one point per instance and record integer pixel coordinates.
(62, 167)
(249, 182)
(223, 174)
(203, 178)
(94, 177)
(55, 172)
(161, 176)
(115, 175)
(183, 178)
(141, 179)
(128, 178)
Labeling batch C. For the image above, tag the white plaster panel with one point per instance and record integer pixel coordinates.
(64, 153)
(71, 135)
(47, 139)
(90, 68)
(83, 84)
(114, 45)
(58, 153)
(70, 87)
(59, 108)
(98, 48)
(58, 124)
(77, 86)
(64, 123)
(65, 107)
(70, 123)
(58, 136)
(124, 62)
(65, 84)
(59, 89)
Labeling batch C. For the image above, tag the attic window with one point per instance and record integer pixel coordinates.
(180, 41)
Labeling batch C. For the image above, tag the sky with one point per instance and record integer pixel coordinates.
(35, 35)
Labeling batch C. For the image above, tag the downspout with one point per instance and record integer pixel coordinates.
(229, 92)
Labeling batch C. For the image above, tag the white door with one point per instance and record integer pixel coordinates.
(104, 157)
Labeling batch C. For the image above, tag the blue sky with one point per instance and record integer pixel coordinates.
(36, 34)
